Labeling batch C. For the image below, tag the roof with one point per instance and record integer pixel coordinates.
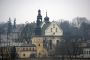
(44, 28)
(27, 45)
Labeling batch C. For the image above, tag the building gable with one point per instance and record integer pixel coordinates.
(53, 30)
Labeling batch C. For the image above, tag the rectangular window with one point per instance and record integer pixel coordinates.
(51, 29)
(50, 42)
(56, 29)
(89, 52)
(53, 33)
(33, 49)
(85, 52)
(23, 49)
(29, 49)
(57, 42)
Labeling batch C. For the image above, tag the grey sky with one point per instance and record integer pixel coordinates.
(26, 10)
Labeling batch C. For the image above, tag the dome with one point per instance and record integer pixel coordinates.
(46, 19)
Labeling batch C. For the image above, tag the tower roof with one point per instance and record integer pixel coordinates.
(46, 19)
(39, 12)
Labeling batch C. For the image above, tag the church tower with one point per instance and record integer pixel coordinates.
(38, 23)
(46, 19)
(39, 17)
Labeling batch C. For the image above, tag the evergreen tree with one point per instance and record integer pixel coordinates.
(9, 30)
(14, 25)
(27, 32)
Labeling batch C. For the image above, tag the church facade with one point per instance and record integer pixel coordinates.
(53, 36)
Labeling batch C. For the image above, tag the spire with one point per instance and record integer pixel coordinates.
(39, 18)
(38, 23)
(14, 24)
(46, 13)
(46, 19)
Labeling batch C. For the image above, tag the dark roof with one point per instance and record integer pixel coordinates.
(27, 45)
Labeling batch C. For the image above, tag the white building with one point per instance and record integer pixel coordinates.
(53, 35)
(86, 52)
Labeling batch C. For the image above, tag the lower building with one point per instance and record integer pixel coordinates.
(26, 51)
(86, 52)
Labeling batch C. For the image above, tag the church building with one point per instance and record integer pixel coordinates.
(50, 32)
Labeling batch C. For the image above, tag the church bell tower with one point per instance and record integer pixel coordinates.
(38, 23)
(39, 17)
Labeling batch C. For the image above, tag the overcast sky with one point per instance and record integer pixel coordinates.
(26, 10)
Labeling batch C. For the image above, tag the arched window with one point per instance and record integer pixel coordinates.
(39, 54)
(23, 54)
(51, 29)
(57, 42)
(50, 42)
(38, 44)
